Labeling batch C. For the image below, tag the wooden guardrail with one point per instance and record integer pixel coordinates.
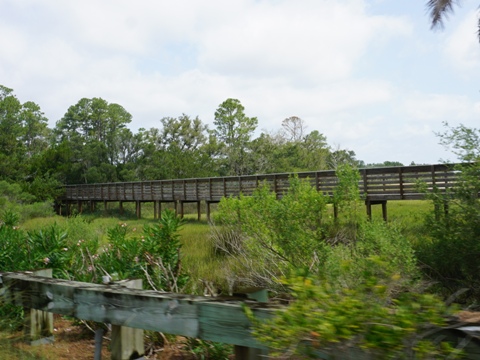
(215, 319)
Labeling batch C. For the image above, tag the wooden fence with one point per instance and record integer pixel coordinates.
(377, 185)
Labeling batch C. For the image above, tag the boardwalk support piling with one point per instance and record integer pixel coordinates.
(369, 204)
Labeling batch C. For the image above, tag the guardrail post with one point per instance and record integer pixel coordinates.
(248, 353)
(127, 343)
(38, 325)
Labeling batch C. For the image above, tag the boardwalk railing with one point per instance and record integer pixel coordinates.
(377, 185)
(392, 183)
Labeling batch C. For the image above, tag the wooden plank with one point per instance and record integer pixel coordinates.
(227, 323)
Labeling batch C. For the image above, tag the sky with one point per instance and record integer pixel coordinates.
(371, 75)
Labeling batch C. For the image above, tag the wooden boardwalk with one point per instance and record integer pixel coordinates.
(377, 185)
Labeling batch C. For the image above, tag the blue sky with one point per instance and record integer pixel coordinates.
(370, 75)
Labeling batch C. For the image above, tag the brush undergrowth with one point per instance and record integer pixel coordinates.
(209, 271)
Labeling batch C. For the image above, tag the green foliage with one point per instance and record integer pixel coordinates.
(21, 202)
(13, 193)
(334, 318)
(374, 239)
(153, 257)
(291, 229)
(11, 317)
(35, 210)
(450, 250)
(204, 350)
(13, 250)
(346, 196)
(234, 130)
(48, 248)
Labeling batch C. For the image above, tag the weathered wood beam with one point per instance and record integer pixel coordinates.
(193, 316)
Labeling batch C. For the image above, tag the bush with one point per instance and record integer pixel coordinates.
(13, 245)
(451, 248)
(269, 238)
(290, 228)
(153, 257)
(345, 261)
(352, 321)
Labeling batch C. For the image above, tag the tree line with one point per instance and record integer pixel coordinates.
(92, 143)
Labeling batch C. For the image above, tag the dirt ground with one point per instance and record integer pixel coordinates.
(74, 342)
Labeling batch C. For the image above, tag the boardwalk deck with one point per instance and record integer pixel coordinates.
(377, 185)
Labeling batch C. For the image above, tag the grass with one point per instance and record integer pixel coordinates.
(199, 258)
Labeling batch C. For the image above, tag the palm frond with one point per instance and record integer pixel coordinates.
(439, 9)
(478, 29)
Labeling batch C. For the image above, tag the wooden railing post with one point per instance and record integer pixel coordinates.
(244, 352)
(38, 325)
(127, 343)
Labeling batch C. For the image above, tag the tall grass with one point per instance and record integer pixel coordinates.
(407, 215)
(198, 255)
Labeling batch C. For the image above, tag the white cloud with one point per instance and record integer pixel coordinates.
(439, 107)
(307, 42)
(462, 45)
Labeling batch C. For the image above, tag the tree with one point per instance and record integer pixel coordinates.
(386, 164)
(35, 131)
(93, 130)
(439, 10)
(267, 156)
(342, 156)
(11, 149)
(234, 130)
(293, 128)
(314, 151)
(94, 120)
(180, 149)
(183, 133)
(183, 142)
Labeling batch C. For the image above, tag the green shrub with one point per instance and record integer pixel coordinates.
(351, 321)
(291, 228)
(154, 256)
(13, 244)
(451, 247)
(50, 248)
(38, 209)
(375, 239)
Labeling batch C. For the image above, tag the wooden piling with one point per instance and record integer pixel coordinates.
(127, 343)
(38, 325)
